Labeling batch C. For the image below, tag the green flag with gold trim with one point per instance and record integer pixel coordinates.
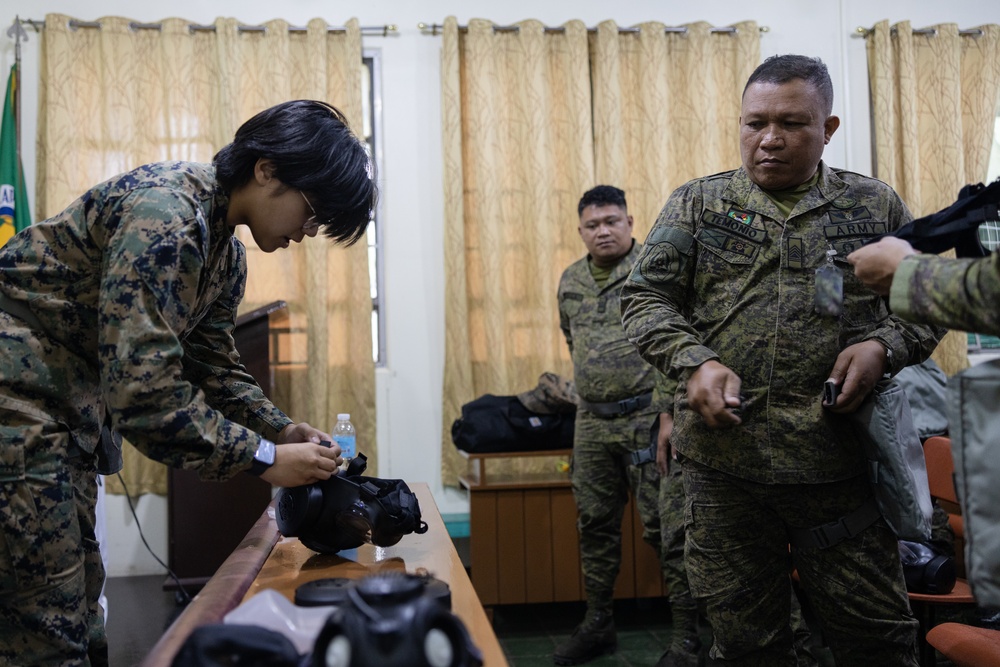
(13, 194)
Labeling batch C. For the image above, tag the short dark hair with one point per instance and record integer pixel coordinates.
(782, 69)
(602, 195)
(313, 150)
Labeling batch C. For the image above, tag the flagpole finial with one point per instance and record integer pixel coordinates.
(16, 31)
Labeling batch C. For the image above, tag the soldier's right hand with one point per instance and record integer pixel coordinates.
(714, 391)
(664, 451)
(298, 463)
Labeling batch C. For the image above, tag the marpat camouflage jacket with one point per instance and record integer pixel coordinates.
(137, 283)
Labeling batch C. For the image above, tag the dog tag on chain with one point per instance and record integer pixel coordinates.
(828, 298)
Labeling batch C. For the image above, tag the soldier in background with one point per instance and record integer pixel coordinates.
(611, 453)
(727, 296)
(117, 317)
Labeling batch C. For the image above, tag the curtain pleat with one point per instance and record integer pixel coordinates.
(667, 107)
(934, 100)
(114, 98)
(517, 156)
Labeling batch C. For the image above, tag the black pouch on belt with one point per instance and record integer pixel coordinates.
(109, 451)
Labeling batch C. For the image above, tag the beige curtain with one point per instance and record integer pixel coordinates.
(667, 107)
(531, 120)
(934, 101)
(517, 156)
(116, 97)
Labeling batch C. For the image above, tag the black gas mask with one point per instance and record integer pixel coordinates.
(349, 510)
(391, 620)
(926, 570)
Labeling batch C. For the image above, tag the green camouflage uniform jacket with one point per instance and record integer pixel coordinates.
(606, 366)
(137, 284)
(957, 293)
(723, 276)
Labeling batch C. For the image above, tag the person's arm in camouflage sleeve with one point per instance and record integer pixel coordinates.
(149, 288)
(211, 362)
(957, 293)
(653, 301)
(564, 316)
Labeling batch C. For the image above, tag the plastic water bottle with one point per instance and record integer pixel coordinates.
(343, 435)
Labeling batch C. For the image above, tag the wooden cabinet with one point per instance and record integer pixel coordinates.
(207, 520)
(524, 545)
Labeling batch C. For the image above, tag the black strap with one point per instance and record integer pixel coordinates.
(618, 408)
(829, 534)
(956, 226)
(642, 457)
(20, 310)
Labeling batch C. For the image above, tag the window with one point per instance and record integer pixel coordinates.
(371, 106)
(989, 234)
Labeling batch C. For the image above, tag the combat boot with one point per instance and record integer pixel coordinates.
(685, 653)
(591, 639)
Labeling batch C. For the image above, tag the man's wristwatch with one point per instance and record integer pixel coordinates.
(263, 459)
(888, 359)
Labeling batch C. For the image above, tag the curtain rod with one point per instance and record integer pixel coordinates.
(862, 31)
(382, 31)
(435, 29)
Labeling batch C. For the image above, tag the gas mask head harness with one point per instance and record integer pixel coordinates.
(348, 510)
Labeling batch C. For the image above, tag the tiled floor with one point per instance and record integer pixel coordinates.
(139, 611)
(530, 633)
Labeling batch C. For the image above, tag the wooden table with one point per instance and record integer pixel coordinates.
(265, 559)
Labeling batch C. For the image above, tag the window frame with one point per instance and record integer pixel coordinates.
(372, 106)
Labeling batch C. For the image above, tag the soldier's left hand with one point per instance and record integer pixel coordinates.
(302, 432)
(856, 371)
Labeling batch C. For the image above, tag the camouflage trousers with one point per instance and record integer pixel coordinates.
(738, 560)
(672, 535)
(51, 570)
(602, 481)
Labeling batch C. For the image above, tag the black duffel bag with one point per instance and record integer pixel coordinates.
(502, 424)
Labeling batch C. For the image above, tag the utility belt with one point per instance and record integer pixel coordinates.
(618, 408)
(829, 534)
(624, 407)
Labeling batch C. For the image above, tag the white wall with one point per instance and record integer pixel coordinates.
(409, 390)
